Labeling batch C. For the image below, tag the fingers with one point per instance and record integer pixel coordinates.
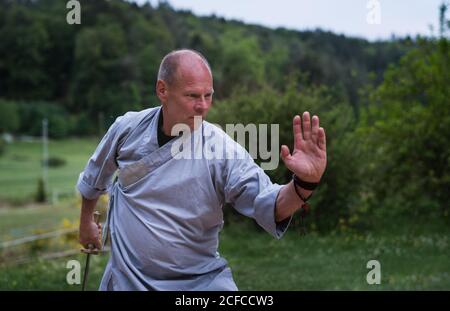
(98, 244)
(297, 129)
(93, 244)
(90, 238)
(285, 152)
(315, 128)
(92, 248)
(306, 125)
(321, 140)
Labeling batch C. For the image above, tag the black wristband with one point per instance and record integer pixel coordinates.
(300, 195)
(304, 184)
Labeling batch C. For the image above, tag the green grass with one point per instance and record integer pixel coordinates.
(259, 262)
(50, 274)
(20, 168)
(17, 222)
(337, 262)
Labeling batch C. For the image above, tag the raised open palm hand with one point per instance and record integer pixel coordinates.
(309, 158)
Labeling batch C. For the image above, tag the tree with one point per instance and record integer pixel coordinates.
(241, 63)
(407, 131)
(24, 41)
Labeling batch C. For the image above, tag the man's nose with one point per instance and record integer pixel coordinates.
(201, 104)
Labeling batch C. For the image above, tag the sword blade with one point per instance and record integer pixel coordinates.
(86, 272)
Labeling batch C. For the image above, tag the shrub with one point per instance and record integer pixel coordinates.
(56, 162)
(41, 194)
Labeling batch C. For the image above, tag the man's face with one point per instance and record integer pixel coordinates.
(188, 96)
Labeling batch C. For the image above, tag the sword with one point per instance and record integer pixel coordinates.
(90, 250)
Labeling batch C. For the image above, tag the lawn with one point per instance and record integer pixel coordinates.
(312, 262)
(337, 262)
(18, 222)
(20, 168)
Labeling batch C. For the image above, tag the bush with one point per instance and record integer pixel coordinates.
(9, 116)
(32, 114)
(56, 162)
(41, 194)
(406, 135)
(2, 146)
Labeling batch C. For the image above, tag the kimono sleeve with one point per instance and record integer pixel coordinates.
(96, 177)
(251, 192)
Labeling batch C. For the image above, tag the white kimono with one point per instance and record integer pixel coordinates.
(165, 213)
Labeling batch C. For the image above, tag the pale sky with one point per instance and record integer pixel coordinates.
(348, 17)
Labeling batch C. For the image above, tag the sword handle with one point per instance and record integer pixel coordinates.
(96, 217)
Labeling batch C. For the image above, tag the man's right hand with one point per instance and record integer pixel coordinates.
(90, 234)
(90, 231)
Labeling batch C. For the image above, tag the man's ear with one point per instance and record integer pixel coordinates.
(161, 90)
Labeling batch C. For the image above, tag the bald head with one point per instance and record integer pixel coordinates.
(178, 62)
(184, 88)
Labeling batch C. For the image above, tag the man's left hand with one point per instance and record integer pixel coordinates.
(309, 158)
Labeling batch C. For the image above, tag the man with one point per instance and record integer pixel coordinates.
(166, 211)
